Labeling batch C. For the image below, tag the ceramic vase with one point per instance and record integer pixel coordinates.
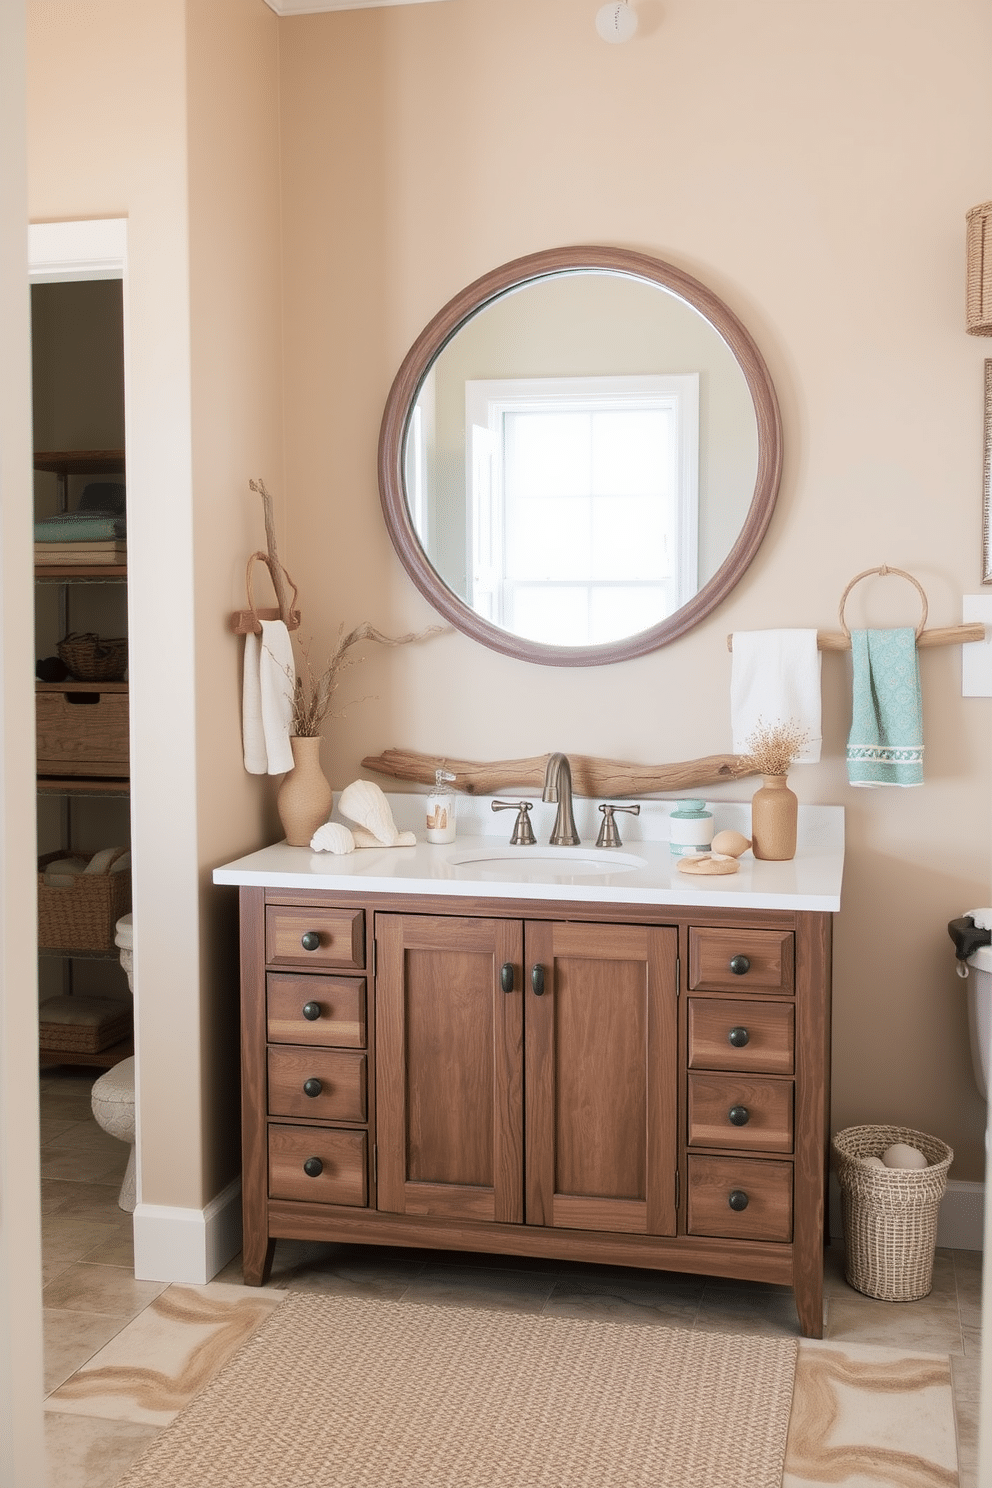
(304, 798)
(774, 815)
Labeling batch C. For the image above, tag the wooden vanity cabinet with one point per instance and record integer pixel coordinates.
(640, 1086)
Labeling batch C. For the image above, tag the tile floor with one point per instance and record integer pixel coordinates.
(123, 1356)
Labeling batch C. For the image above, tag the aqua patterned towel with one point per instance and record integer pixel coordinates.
(885, 745)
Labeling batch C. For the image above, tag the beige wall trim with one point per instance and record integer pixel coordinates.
(187, 1245)
(316, 7)
(961, 1222)
(60, 251)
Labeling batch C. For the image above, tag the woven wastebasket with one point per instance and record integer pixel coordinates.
(890, 1214)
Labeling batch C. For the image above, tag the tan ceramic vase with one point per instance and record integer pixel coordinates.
(774, 815)
(304, 799)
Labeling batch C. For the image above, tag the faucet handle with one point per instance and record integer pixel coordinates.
(523, 832)
(608, 834)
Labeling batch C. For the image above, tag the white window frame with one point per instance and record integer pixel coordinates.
(488, 400)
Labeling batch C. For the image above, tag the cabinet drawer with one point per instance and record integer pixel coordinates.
(741, 1035)
(338, 1162)
(764, 1189)
(740, 1111)
(334, 1016)
(334, 937)
(317, 1084)
(735, 960)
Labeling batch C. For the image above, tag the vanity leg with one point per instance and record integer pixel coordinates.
(256, 1259)
(809, 1305)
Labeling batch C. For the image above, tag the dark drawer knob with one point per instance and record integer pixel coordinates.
(310, 941)
(313, 1167)
(311, 1011)
(312, 1087)
(738, 1037)
(737, 1200)
(740, 965)
(738, 1115)
(537, 980)
(506, 976)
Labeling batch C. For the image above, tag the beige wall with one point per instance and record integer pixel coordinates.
(813, 165)
(21, 1440)
(163, 113)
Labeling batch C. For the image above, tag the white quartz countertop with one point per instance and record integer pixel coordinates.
(481, 863)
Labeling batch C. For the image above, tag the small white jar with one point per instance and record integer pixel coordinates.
(690, 828)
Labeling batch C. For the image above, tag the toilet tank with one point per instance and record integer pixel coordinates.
(980, 1014)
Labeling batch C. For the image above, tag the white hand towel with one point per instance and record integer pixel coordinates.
(267, 700)
(252, 733)
(775, 679)
(277, 678)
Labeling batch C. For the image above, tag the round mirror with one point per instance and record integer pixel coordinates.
(579, 456)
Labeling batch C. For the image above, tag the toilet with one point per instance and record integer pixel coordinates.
(112, 1098)
(980, 1014)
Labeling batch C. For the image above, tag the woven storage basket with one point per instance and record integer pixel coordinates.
(83, 916)
(92, 659)
(890, 1214)
(979, 272)
(82, 1025)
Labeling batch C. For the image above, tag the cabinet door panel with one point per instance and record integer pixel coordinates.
(601, 1077)
(449, 1051)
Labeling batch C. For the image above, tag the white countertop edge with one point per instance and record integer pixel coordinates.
(703, 892)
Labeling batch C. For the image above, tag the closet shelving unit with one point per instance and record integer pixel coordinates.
(65, 784)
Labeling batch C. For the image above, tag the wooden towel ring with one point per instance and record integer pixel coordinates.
(884, 571)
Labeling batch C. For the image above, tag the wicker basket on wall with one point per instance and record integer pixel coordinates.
(890, 1214)
(979, 312)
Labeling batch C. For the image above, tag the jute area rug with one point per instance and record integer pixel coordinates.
(348, 1392)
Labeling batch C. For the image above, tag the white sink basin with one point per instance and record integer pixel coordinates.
(543, 864)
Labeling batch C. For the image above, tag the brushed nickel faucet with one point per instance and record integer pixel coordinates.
(558, 787)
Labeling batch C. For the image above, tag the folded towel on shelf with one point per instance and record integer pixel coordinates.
(267, 700)
(112, 550)
(88, 526)
(775, 679)
(885, 745)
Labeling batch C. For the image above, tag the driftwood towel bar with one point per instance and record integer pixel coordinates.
(942, 635)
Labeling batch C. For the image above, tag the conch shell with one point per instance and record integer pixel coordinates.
(365, 803)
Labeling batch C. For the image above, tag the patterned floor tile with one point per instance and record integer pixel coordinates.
(864, 1416)
(155, 1365)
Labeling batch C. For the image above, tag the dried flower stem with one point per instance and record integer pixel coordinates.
(772, 748)
(313, 693)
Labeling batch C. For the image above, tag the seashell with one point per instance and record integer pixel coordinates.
(732, 843)
(901, 1155)
(365, 839)
(708, 865)
(365, 803)
(332, 837)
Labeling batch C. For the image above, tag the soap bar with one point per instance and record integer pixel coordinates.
(900, 1155)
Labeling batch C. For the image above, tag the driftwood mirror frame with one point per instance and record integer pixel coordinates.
(405, 390)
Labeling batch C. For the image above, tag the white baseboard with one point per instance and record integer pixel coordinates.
(961, 1222)
(187, 1245)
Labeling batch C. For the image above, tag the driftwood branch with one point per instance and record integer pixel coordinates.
(590, 776)
(279, 580)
